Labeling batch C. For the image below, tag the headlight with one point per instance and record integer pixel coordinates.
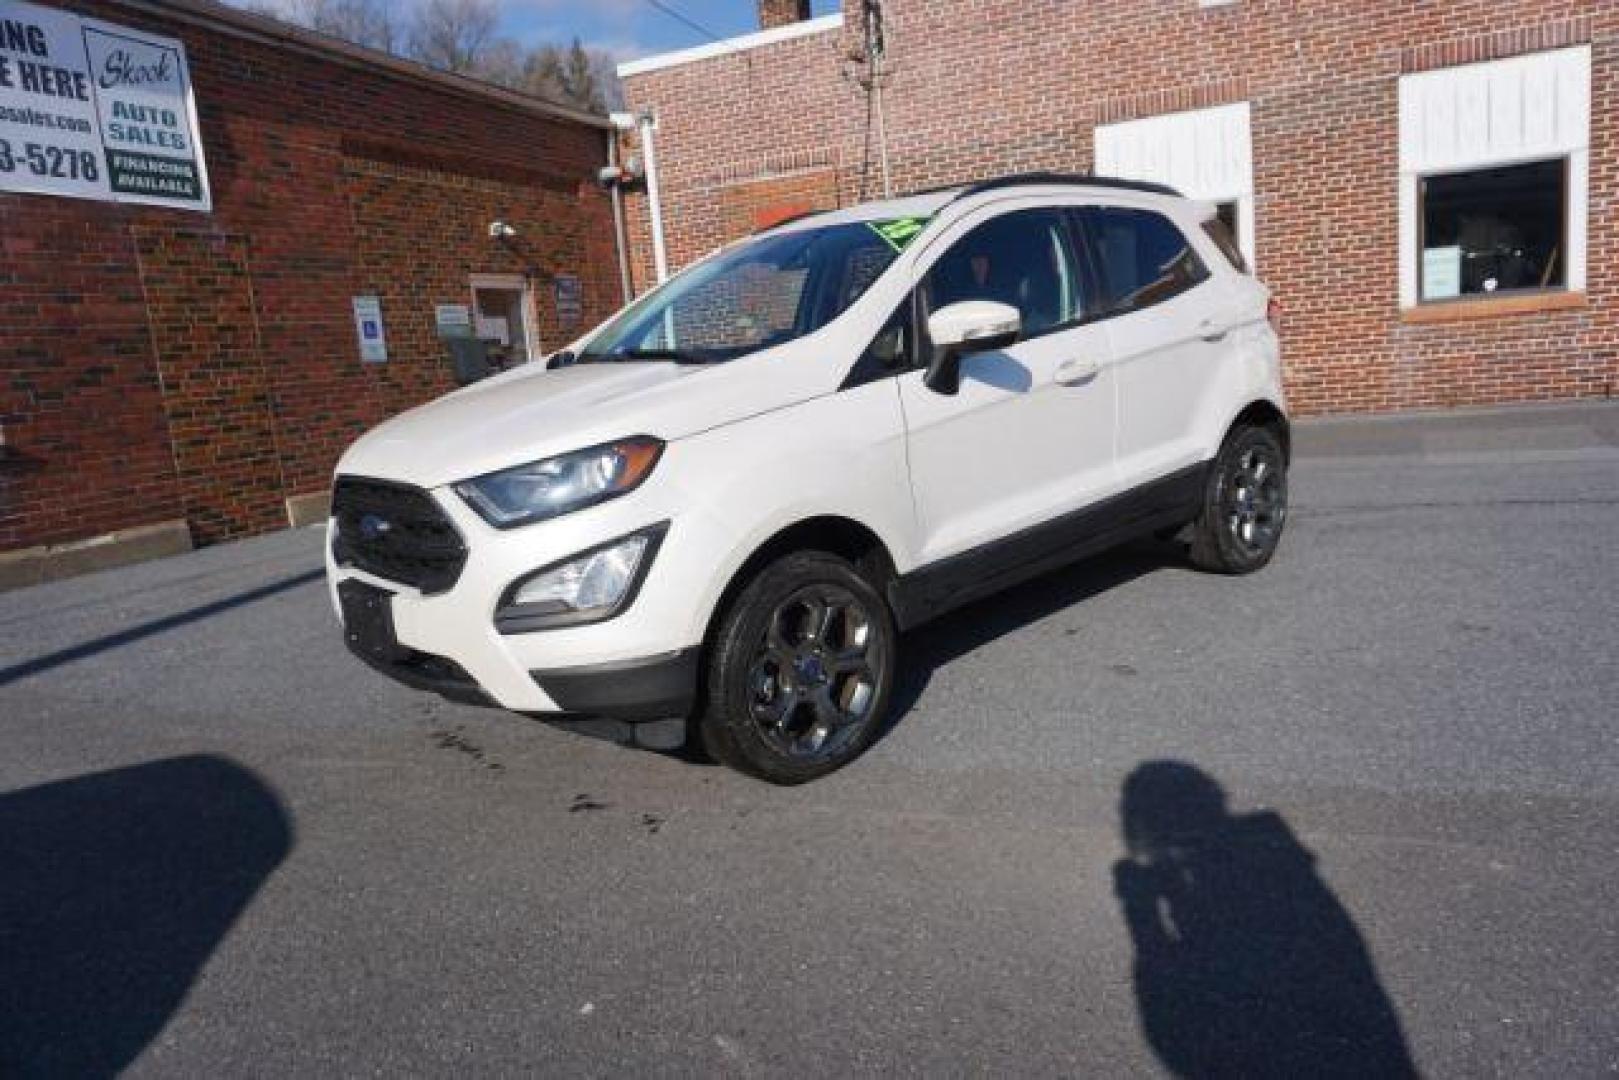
(592, 586)
(561, 485)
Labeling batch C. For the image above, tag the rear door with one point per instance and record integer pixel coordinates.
(1029, 435)
(1167, 329)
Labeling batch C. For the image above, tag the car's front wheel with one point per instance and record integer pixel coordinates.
(800, 672)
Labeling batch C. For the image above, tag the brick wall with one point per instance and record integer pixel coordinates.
(781, 12)
(982, 87)
(157, 363)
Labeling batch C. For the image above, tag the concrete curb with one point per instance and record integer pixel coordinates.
(50, 562)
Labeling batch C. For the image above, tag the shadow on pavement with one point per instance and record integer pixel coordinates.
(115, 888)
(1246, 964)
(936, 644)
(155, 626)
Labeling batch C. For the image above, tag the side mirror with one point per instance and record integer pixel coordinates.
(964, 328)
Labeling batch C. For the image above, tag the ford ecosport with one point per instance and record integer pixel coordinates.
(721, 507)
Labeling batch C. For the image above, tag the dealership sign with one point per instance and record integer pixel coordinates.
(96, 111)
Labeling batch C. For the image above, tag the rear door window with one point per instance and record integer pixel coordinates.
(1143, 258)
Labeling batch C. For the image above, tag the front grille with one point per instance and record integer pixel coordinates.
(396, 532)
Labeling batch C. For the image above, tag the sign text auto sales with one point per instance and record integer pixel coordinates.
(94, 110)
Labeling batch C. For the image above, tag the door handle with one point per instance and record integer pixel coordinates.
(1209, 333)
(1077, 370)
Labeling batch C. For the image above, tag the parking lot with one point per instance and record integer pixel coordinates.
(228, 847)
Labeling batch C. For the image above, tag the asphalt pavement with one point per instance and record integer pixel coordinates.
(1358, 814)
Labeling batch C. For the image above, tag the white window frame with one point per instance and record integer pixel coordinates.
(523, 286)
(1516, 111)
(1205, 154)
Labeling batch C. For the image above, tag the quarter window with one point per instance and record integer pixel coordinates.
(1144, 259)
(1024, 259)
(1494, 230)
(1224, 236)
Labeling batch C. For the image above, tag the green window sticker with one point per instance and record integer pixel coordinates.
(899, 232)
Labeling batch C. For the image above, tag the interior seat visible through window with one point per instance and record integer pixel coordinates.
(1023, 259)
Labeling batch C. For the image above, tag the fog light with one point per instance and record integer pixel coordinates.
(590, 587)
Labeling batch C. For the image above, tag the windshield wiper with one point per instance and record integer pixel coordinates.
(679, 356)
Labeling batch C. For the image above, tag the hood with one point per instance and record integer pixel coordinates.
(533, 413)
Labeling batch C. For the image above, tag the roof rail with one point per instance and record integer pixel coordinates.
(1024, 179)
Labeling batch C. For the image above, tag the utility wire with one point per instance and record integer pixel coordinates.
(692, 23)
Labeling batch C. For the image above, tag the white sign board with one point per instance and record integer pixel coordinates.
(570, 300)
(92, 110)
(1441, 273)
(368, 325)
(453, 320)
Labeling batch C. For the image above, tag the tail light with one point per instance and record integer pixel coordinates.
(1273, 312)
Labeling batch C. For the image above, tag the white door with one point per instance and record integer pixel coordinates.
(503, 315)
(1029, 435)
(1167, 327)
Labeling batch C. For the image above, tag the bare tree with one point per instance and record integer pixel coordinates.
(452, 35)
(460, 36)
(578, 76)
(372, 23)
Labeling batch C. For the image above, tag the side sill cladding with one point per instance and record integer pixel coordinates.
(940, 587)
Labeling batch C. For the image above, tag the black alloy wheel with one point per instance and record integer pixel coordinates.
(811, 679)
(800, 671)
(1244, 504)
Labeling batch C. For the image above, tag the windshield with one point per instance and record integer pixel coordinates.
(761, 293)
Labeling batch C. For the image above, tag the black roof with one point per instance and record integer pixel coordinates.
(1083, 179)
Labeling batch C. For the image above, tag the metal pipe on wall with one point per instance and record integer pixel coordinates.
(649, 157)
(621, 238)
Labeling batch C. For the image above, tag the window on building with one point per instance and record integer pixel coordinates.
(1144, 259)
(1494, 230)
(1024, 259)
(1495, 170)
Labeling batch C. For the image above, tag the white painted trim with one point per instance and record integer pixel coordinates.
(1206, 154)
(740, 43)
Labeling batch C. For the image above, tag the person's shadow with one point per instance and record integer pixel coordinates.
(115, 888)
(1246, 964)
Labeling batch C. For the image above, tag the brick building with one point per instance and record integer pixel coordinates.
(188, 375)
(1430, 188)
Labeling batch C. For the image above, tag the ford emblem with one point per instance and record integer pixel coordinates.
(373, 527)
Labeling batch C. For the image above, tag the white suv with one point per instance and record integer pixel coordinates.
(719, 509)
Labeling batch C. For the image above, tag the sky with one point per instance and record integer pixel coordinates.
(632, 28)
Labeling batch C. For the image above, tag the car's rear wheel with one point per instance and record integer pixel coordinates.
(800, 672)
(1244, 504)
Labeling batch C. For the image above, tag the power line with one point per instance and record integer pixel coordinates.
(678, 17)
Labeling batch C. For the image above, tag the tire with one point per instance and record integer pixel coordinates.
(801, 671)
(1244, 504)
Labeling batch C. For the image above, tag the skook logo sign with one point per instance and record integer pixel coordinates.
(93, 110)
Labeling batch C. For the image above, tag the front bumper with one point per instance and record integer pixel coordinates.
(641, 664)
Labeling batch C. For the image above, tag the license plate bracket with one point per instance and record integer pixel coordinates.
(368, 624)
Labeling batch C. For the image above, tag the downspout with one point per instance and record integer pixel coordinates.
(649, 157)
(621, 237)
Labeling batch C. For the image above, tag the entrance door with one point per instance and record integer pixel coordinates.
(503, 315)
(1029, 435)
